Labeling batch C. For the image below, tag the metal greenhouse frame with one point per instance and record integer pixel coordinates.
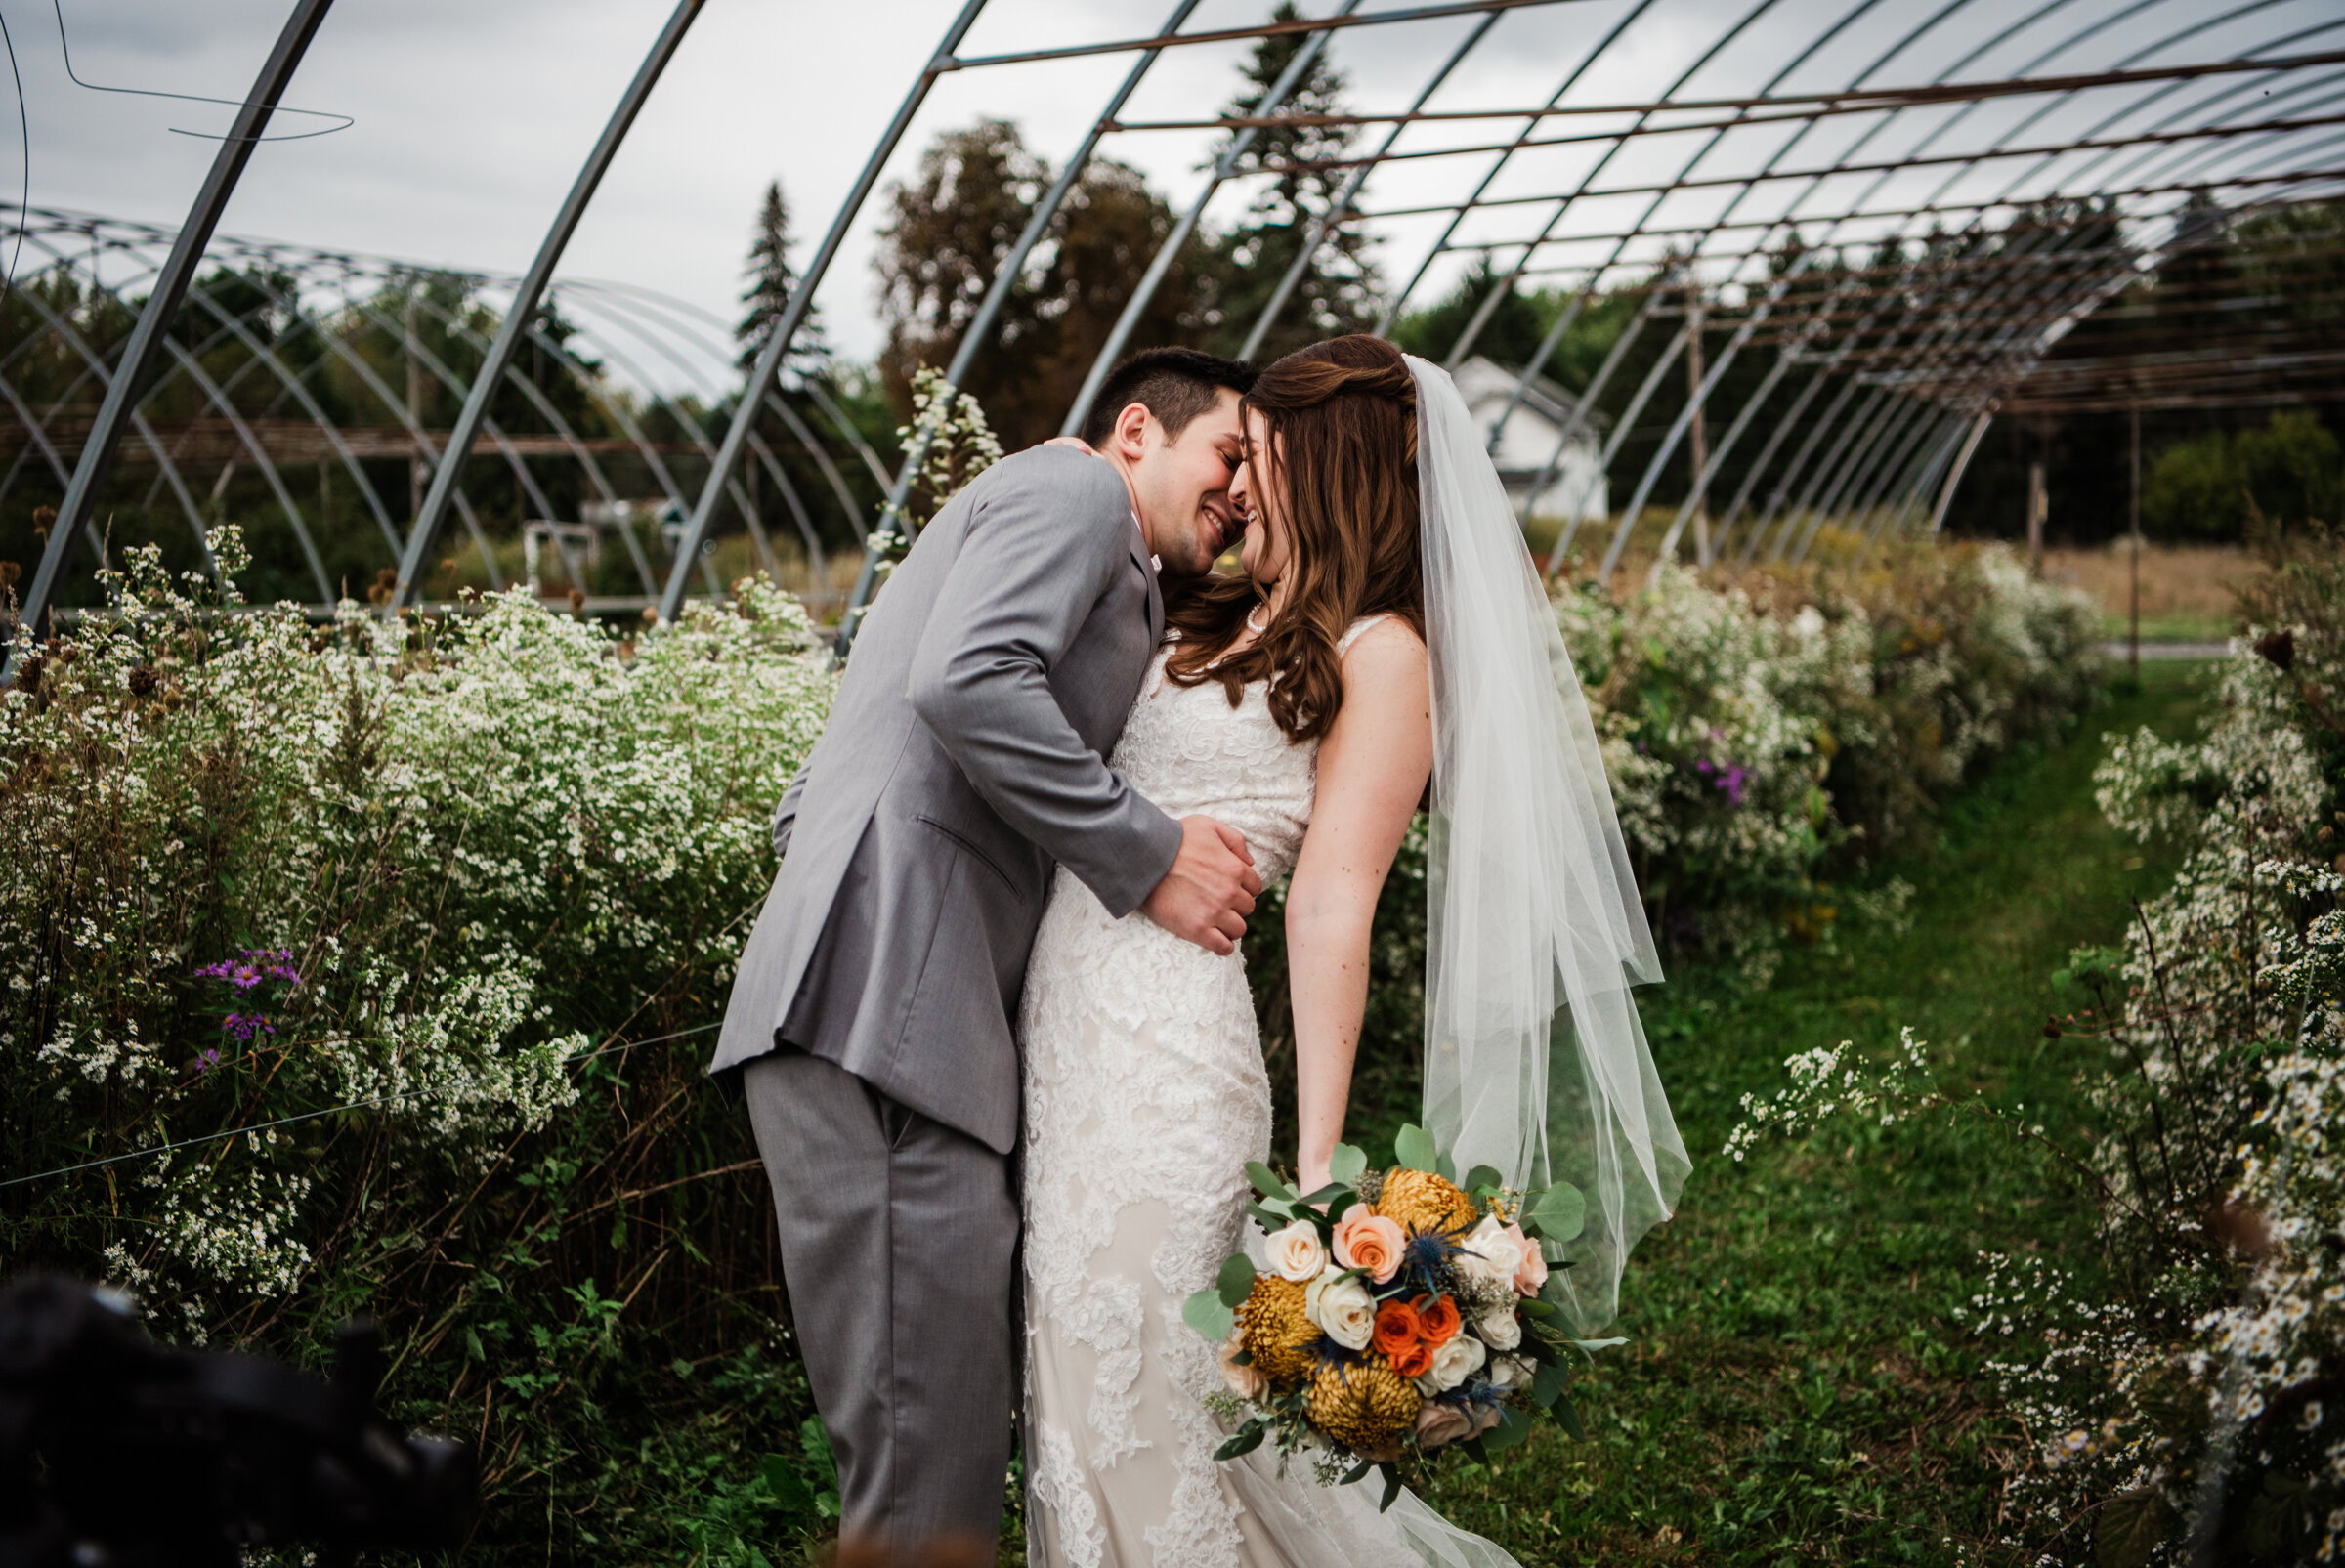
(2011, 165)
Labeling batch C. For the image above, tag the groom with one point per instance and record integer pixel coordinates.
(873, 1017)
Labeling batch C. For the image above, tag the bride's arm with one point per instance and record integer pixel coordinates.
(1372, 765)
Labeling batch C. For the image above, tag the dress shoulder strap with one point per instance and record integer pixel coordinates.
(1353, 632)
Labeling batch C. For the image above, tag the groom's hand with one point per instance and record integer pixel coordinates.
(1207, 895)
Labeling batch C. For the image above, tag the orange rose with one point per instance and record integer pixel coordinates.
(1371, 1242)
(1397, 1329)
(1413, 1360)
(1439, 1318)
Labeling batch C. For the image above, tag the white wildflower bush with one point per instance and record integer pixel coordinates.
(421, 903)
(1765, 740)
(2184, 1384)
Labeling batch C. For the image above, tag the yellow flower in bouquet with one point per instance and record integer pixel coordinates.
(1278, 1334)
(1423, 1204)
(1365, 1406)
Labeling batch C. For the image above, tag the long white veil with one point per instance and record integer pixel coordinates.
(1535, 1062)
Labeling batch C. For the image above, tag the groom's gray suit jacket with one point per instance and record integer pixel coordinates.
(964, 756)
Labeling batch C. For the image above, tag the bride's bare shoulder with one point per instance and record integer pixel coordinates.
(1381, 640)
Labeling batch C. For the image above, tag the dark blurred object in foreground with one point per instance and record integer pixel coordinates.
(119, 1453)
(946, 1552)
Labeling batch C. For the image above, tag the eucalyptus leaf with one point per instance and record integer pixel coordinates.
(1271, 1218)
(1414, 1148)
(1205, 1313)
(1592, 1347)
(1483, 1176)
(1246, 1440)
(1357, 1473)
(1533, 1307)
(1568, 1414)
(1347, 1162)
(1392, 1483)
(1265, 1180)
(1334, 1210)
(1444, 1168)
(1236, 1279)
(1513, 1428)
(1547, 1385)
(1327, 1194)
(1558, 1214)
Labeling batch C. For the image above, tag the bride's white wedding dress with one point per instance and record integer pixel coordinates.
(1145, 1096)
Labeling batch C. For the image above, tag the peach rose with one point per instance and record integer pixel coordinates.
(1531, 1276)
(1245, 1380)
(1371, 1242)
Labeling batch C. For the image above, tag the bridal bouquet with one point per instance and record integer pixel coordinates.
(1399, 1315)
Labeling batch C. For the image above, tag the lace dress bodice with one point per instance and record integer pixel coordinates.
(1189, 752)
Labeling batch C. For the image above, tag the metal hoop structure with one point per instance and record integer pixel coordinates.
(1859, 231)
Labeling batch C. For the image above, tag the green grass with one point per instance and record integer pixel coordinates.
(2176, 626)
(1797, 1389)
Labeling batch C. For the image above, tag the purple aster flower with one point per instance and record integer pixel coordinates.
(208, 1060)
(1732, 782)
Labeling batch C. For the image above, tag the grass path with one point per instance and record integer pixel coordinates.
(1797, 1389)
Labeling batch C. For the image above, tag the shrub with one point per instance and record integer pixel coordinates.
(399, 896)
(2289, 472)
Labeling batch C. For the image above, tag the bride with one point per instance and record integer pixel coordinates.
(1389, 633)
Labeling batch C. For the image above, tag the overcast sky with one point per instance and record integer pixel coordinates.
(472, 116)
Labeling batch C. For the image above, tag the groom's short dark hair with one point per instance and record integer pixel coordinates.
(1175, 385)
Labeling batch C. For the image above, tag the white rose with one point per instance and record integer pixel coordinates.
(1491, 1255)
(1453, 1364)
(1296, 1252)
(1342, 1307)
(1498, 1327)
(1512, 1372)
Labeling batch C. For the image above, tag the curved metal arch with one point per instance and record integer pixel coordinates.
(2011, 185)
(2025, 336)
(252, 117)
(629, 313)
(1961, 63)
(1490, 176)
(105, 377)
(538, 399)
(520, 318)
(191, 365)
(293, 304)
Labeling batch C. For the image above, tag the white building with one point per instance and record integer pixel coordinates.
(1527, 444)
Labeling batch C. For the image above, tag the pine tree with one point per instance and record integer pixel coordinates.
(1339, 289)
(772, 279)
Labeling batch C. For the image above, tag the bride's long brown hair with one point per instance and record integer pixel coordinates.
(1342, 477)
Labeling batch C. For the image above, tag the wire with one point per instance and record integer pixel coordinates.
(338, 1110)
(25, 199)
(346, 120)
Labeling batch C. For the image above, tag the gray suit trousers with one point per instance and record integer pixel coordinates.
(899, 1246)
